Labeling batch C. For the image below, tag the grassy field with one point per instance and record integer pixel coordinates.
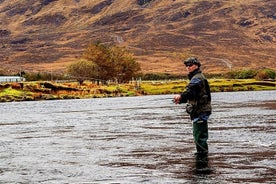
(41, 90)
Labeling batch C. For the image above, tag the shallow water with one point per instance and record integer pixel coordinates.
(145, 139)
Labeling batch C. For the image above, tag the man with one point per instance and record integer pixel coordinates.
(198, 98)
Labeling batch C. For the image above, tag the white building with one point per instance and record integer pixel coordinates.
(11, 79)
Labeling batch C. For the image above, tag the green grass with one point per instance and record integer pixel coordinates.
(216, 85)
(11, 92)
(35, 91)
(163, 87)
(240, 85)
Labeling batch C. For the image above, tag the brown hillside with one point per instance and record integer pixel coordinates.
(39, 35)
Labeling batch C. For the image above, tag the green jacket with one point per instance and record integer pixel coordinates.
(197, 95)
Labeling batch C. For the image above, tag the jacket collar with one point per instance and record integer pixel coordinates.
(190, 75)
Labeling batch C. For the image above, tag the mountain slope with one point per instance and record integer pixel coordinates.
(49, 34)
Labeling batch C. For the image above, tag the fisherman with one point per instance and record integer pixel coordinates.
(198, 98)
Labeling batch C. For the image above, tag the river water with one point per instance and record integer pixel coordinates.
(145, 139)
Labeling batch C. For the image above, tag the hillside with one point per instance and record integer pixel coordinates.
(44, 35)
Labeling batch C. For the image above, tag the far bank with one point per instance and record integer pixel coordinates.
(54, 90)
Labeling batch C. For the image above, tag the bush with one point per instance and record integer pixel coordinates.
(241, 74)
(161, 76)
(43, 76)
(265, 74)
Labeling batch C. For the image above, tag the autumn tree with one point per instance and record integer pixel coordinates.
(82, 70)
(126, 66)
(114, 63)
(100, 55)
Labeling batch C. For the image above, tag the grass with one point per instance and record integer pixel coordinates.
(43, 91)
(221, 85)
(162, 87)
(11, 92)
(216, 85)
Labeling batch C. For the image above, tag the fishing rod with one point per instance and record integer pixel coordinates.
(166, 98)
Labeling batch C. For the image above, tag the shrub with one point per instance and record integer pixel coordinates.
(241, 74)
(38, 76)
(161, 76)
(265, 74)
(246, 74)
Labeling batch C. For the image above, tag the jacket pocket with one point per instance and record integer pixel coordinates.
(190, 108)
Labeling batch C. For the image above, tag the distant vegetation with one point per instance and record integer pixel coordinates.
(85, 70)
(260, 74)
(102, 62)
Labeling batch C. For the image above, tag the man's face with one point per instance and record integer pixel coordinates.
(191, 67)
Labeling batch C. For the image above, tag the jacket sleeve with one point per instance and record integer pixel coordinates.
(192, 90)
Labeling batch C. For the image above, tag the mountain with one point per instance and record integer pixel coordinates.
(44, 35)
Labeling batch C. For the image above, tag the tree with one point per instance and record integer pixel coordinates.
(83, 69)
(114, 63)
(100, 55)
(126, 66)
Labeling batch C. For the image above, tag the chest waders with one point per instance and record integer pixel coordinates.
(200, 133)
(200, 124)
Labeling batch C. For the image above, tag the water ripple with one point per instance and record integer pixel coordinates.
(137, 140)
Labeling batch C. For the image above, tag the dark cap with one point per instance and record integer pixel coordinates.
(192, 60)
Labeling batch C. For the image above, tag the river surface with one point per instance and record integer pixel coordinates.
(145, 139)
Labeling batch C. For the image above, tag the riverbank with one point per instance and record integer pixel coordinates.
(45, 90)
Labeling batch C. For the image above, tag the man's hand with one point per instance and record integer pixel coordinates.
(177, 99)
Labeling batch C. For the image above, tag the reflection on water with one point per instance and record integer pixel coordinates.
(137, 139)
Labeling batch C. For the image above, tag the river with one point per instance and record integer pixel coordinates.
(145, 139)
